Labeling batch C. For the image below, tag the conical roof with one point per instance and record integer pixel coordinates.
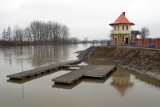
(121, 20)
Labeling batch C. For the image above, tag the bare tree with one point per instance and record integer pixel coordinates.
(110, 35)
(4, 34)
(18, 35)
(39, 32)
(8, 34)
(73, 40)
(85, 40)
(64, 33)
(27, 34)
(144, 32)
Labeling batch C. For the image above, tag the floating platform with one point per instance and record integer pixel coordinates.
(41, 70)
(67, 66)
(73, 76)
(98, 71)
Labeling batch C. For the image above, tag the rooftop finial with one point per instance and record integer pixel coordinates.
(124, 13)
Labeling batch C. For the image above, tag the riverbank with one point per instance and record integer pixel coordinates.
(144, 61)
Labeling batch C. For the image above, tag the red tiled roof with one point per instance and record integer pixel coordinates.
(121, 20)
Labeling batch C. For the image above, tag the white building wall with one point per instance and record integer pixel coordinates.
(121, 29)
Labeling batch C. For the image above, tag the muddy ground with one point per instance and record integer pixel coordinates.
(144, 61)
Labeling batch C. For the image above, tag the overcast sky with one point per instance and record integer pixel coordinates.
(85, 18)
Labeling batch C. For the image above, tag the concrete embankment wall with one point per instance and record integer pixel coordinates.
(136, 58)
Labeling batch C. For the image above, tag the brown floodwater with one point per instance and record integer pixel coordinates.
(123, 88)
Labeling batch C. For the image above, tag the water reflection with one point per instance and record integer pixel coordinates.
(23, 91)
(137, 90)
(126, 74)
(36, 55)
(95, 80)
(43, 55)
(147, 80)
(121, 80)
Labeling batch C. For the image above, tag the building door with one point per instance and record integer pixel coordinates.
(126, 40)
(115, 40)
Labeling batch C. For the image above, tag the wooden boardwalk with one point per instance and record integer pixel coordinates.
(41, 70)
(73, 76)
(67, 66)
(100, 71)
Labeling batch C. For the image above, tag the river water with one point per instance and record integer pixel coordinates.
(123, 88)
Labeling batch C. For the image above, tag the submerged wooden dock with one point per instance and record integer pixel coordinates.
(100, 71)
(73, 76)
(89, 71)
(41, 70)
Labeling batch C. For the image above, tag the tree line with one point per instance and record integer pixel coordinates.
(37, 32)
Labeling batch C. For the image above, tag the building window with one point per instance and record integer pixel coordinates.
(118, 27)
(126, 27)
(114, 27)
(122, 27)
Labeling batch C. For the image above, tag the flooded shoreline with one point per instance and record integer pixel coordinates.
(142, 60)
(123, 88)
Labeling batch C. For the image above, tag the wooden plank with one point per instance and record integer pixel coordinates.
(41, 70)
(100, 71)
(65, 86)
(73, 76)
(73, 66)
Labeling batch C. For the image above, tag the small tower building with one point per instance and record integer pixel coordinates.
(121, 30)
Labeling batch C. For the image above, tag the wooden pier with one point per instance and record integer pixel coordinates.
(41, 70)
(73, 76)
(67, 66)
(99, 71)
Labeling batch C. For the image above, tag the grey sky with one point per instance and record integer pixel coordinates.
(85, 18)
